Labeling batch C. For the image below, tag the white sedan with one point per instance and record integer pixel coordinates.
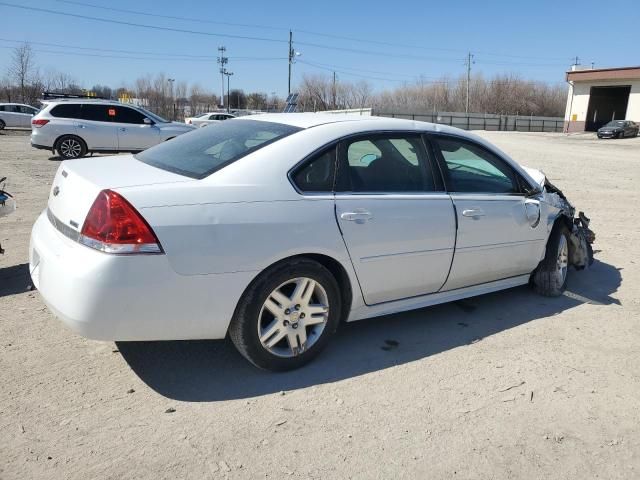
(208, 118)
(273, 229)
(16, 115)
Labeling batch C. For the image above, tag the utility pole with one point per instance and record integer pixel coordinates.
(222, 61)
(334, 90)
(228, 74)
(291, 55)
(468, 63)
(173, 100)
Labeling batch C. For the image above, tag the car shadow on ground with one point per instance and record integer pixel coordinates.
(205, 371)
(14, 279)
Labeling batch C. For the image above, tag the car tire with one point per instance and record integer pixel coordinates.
(550, 278)
(2, 124)
(620, 135)
(70, 147)
(283, 320)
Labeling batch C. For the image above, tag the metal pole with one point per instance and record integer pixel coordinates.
(228, 74)
(222, 60)
(468, 62)
(291, 53)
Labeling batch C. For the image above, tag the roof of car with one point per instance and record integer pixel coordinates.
(85, 100)
(308, 120)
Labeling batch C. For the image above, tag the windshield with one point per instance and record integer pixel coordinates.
(153, 116)
(199, 153)
(615, 123)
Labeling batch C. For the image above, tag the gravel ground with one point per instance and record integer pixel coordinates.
(506, 385)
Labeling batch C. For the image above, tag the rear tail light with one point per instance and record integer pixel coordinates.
(39, 123)
(114, 226)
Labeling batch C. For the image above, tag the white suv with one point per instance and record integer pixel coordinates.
(74, 128)
(16, 115)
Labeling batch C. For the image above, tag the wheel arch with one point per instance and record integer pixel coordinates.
(60, 137)
(335, 267)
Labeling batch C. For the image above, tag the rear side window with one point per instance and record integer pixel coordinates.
(96, 113)
(317, 174)
(66, 110)
(199, 153)
(385, 163)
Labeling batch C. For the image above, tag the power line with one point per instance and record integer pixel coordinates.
(303, 31)
(135, 52)
(242, 37)
(171, 17)
(142, 25)
(316, 65)
(123, 57)
(342, 68)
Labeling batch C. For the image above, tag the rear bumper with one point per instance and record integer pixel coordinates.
(135, 297)
(40, 147)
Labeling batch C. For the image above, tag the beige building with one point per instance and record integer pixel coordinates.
(597, 96)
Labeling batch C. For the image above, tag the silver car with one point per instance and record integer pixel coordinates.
(16, 115)
(73, 128)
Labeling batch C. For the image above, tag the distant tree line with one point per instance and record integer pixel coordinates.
(507, 94)
(502, 94)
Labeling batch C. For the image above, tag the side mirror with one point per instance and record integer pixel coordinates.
(532, 212)
(148, 121)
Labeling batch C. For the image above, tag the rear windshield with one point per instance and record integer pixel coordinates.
(199, 153)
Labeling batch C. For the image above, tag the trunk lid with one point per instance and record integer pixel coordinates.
(78, 182)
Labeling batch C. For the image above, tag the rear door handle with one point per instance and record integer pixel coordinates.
(473, 212)
(359, 216)
(122, 129)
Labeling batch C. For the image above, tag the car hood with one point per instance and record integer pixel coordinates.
(179, 125)
(609, 129)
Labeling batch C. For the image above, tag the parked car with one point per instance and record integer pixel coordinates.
(275, 228)
(208, 118)
(73, 127)
(16, 115)
(619, 129)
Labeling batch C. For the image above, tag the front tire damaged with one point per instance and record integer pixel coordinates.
(579, 237)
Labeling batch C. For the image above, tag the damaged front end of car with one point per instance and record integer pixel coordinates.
(581, 236)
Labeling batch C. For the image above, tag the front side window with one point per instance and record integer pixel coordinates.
(471, 168)
(200, 153)
(386, 164)
(316, 175)
(126, 115)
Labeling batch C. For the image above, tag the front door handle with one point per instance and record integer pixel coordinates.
(122, 129)
(473, 212)
(359, 216)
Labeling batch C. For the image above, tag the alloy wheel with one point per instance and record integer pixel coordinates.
(562, 262)
(293, 317)
(70, 148)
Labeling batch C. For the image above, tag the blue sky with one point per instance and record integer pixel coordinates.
(406, 39)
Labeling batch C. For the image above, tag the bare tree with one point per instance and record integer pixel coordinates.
(22, 69)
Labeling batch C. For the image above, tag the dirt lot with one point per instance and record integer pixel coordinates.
(507, 385)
